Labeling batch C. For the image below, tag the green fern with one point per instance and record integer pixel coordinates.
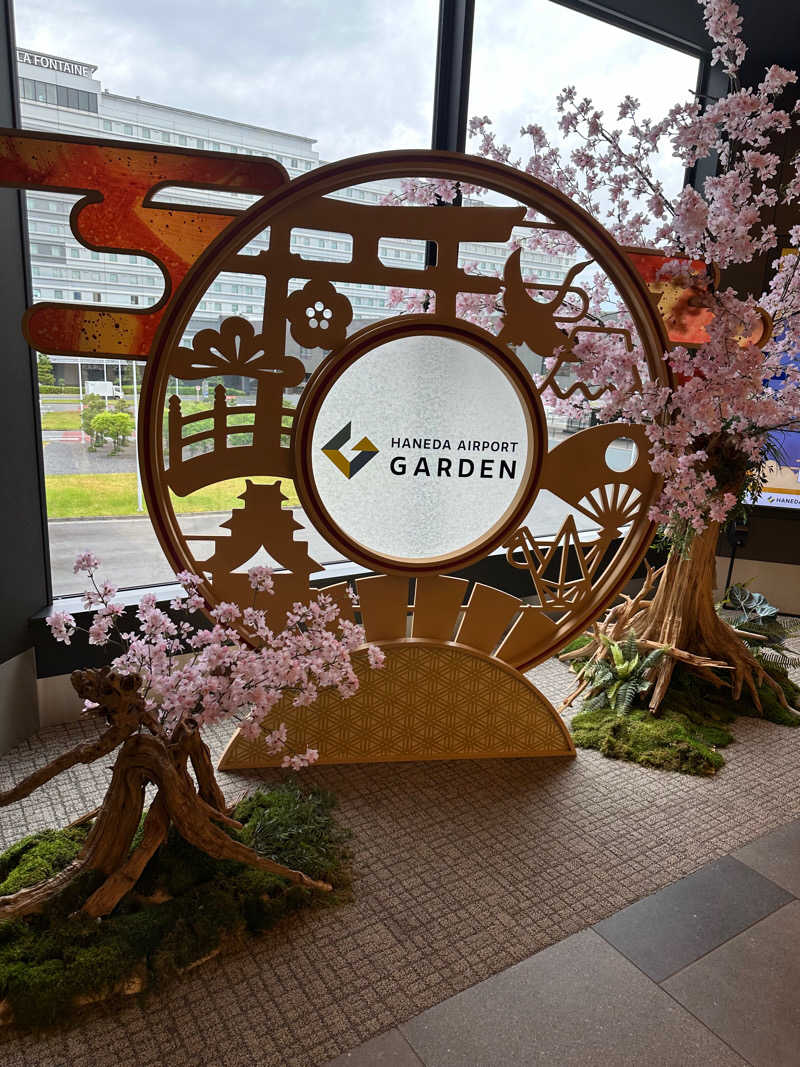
(628, 647)
(770, 632)
(626, 696)
(651, 659)
(776, 657)
(619, 680)
(595, 703)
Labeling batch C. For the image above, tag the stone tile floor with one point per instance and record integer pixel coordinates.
(619, 993)
(477, 887)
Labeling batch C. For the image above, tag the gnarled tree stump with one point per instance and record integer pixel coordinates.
(674, 610)
(148, 756)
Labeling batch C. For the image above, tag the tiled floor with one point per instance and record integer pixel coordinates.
(462, 871)
(705, 971)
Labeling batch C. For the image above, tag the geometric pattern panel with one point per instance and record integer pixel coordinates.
(431, 701)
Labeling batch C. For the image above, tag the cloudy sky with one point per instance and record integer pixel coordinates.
(357, 75)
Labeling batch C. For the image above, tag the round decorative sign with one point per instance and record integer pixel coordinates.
(419, 446)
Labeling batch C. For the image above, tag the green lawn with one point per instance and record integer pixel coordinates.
(88, 495)
(61, 420)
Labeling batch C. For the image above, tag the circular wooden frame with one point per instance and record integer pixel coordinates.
(473, 170)
(329, 372)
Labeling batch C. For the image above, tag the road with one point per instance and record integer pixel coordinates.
(132, 556)
(65, 452)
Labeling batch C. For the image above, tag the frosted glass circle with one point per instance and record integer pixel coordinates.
(421, 448)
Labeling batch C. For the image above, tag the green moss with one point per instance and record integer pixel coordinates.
(670, 741)
(38, 857)
(285, 823)
(577, 642)
(774, 711)
(48, 960)
(689, 729)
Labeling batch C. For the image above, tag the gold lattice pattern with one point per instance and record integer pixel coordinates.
(430, 701)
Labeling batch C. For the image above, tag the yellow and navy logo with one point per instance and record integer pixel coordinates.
(349, 467)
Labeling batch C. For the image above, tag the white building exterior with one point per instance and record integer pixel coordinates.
(65, 96)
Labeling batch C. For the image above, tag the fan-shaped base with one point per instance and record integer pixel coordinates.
(431, 701)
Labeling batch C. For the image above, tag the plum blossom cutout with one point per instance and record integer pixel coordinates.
(318, 315)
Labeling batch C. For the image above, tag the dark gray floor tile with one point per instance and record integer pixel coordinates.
(387, 1050)
(676, 926)
(577, 1003)
(776, 856)
(746, 990)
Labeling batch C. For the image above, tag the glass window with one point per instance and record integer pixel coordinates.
(97, 297)
(95, 255)
(602, 62)
(329, 107)
(41, 92)
(507, 33)
(58, 294)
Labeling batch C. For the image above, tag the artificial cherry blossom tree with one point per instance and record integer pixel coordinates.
(171, 678)
(710, 433)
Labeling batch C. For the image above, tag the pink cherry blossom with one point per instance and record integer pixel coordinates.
(204, 675)
(62, 626)
(85, 561)
(260, 579)
(709, 433)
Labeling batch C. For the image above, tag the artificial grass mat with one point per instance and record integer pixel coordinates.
(180, 911)
(690, 728)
